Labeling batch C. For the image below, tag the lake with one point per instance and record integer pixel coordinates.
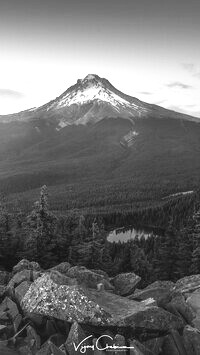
(125, 234)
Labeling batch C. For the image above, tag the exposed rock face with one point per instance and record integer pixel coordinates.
(188, 284)
(75, 303)
(125, 283)
(64, 302)
(88, 278)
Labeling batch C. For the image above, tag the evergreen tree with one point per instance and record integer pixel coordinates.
(195, 264)
(165, 264)
(184, 253)
(139, 263)
(40, 231)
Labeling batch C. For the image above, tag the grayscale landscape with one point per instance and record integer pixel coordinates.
(99, 177)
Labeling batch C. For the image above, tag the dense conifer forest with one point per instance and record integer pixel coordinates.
(49, 238)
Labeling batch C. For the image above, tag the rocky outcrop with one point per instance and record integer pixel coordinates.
(48, 312)
(125, 283)
(87, 306)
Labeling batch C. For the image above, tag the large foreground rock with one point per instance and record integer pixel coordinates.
(87, 306)
(125, 283)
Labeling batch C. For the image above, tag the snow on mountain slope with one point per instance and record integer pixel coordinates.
(100, 99)
(90, 100)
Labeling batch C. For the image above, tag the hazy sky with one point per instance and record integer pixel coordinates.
(146, 48)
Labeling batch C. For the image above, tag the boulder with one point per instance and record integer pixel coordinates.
(2, 291)
(26, 265)
(62, 279)
(21, 290)
(17, 279)
(120, 341)
(154, 345)
(62, 267)
(4, 277)
(125, 283)
(16, 322)
(4, 318)
(55, 350)
(4, 350)
(135, 348)
(193, 301)
(9, 307)
(75, 337)
(58, 339)
(37, 319)
(179, 304)
(3, 329)
(88, 278)
(32, 339)
(100, 272)
(188, 284)
(191, 338)
(161, 284)
(50, 328)
(161, 295)
(25, 350)
(21, 276)
(88, 306)
(173, 344)
(45, 349)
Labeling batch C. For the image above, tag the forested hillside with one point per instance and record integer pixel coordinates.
(80, 239)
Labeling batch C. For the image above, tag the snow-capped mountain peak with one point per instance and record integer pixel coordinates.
(90, 100)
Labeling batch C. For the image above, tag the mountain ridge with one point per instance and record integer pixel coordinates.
(90, 100)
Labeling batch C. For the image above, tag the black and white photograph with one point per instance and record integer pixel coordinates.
(99, 177)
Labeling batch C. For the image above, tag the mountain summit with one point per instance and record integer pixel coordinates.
(90, 100)
(107, 148)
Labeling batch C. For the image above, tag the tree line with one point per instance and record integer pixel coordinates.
(43, 236)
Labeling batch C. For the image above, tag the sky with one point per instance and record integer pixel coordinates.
(148, 49)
